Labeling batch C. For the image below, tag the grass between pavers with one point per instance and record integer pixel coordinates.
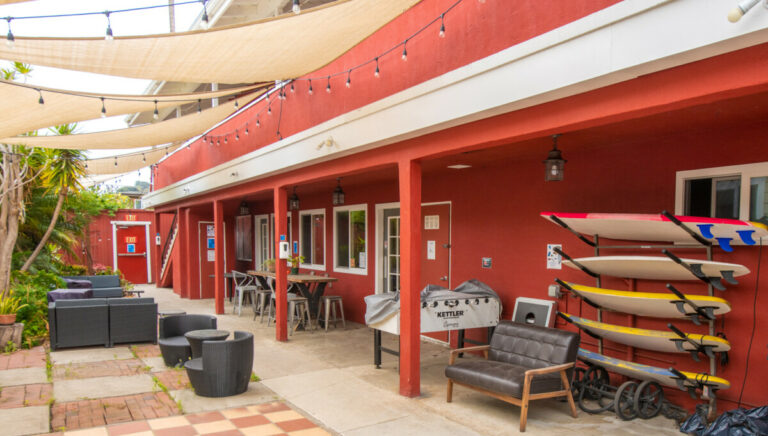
(159, 385)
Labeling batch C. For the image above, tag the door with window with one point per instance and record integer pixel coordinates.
(207, 241)
(131, 252)
(263, 243)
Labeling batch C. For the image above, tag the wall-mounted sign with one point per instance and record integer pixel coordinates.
(211, 243)
(130, 239)
(554, 261)
(130, 248)
(209, 231)
(487, 262)
(130, 217)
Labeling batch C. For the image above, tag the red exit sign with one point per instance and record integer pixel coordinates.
(130, 239)
(130, 217)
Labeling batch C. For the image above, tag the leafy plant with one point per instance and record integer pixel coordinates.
(10, 304)
(268, 264)
(34, 310)
(296, 260)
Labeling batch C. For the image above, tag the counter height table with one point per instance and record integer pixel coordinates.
(196, 338)
(311, 287)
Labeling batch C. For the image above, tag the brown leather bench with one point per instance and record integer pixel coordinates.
(522, 363)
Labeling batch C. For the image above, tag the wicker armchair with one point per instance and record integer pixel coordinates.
(225, 368)
(173, 345)
(77, 323)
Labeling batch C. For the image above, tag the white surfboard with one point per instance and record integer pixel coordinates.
(652, 304)
(657, 227)
(654, 267)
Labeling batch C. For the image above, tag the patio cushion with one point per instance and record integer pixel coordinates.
(501, 377)
(78, 283)
(176, 341)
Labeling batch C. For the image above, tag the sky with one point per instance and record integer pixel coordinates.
(153, 21)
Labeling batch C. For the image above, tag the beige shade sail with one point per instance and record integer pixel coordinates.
(128, 163)
(5, 2)
(283, 47)
(164, 132)
(23, 113)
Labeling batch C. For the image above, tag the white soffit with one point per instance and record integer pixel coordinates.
(619, 43)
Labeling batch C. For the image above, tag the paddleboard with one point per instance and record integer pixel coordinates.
(657, 227)
(655, 340)
(656, 305)
(645, 372)
(654, 267)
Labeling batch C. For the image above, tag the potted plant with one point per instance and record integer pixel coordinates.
(295, 262)
(9, 305)
(269, 265)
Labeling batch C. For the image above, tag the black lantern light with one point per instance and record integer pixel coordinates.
(554, 163)
(338, 194)
(293, 202)
(244, 209)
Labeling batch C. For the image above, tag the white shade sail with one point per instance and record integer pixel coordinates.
(25, 114)
(128, 163)
(283, 47)
(164, 132)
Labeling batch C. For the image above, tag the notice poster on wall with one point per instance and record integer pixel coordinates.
(554, 261)
(209, 230)
(211, 255)
(431, 250)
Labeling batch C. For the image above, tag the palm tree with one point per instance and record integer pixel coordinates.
(65, 168)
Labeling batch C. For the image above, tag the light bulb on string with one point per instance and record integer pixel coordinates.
(204, 20)
(86, 164)
(225, 140)
(40, 100)
(237, 105)
(258, 123)
(376, 73)
(103, 108)
(405, 51)
(442, 26)
(143, 158)
(156, 114)
(218, 142)
(205, 140)
(237, 135)
(292, 90)
(328, 87)
(115, 160)
(296, 8)
(349, 78)
(108, 36)
(10, 39)
(310, 87)
(199, 105)
(246, 129)
(269, 110)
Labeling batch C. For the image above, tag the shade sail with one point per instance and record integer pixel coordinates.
(125, 164)
(164, 132)
(283, 47)
(23, 113)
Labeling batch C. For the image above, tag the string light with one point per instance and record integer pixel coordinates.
(237, 135)
(310, 87)
(205, 22)
(115, 160)
(143, 158)
(156, 114)
(109, 36)
(376, 73)
(103, 108)
(199, 105)
(292, 90)
(269, 110)
(246, 129)
(40, 100)
(258, 123)
(405, 51)
(328, 87)
(442, 26)
(349, 78)
(296, 7)
(237, 104)
(10, 39)
(225, 139)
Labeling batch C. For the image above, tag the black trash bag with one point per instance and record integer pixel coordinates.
(738, 422)
(696, 423)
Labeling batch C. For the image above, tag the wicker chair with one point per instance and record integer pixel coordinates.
(173, 345)
(132, 320)
(225, 367)
(77, 323)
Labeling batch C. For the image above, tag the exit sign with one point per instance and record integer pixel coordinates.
(130, 217)
(130, 239)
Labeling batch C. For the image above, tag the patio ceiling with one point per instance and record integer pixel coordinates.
(284, 47)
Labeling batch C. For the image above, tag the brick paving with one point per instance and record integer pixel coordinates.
(25, 395)
(91, 413)
(173, 379)
(33, 358)
(99, 369)
(145, 350)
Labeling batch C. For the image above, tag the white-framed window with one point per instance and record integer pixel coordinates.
(350, 239)
(736, 191)
(264, 232)
(312, 238)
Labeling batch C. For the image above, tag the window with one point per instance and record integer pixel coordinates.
(312, 238)
(265, 237)
(350, 237)
(243, 240)
(736, 192)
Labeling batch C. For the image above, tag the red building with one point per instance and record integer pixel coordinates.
(649, 97)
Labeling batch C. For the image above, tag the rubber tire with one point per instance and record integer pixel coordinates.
(654, 398)
(577, 381)
(595, 387)
(624, 401)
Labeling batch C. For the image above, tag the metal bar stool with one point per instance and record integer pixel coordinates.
(327, 303)
(244, 284)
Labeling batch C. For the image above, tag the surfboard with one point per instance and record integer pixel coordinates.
(658, 227)
(645, 372)
(655, 267)
(655, 340)
(652, 304)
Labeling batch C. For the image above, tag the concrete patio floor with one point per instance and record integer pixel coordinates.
(331, 378)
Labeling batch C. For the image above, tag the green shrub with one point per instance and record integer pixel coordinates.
(42, 279)
(31, 290)
(74, 270)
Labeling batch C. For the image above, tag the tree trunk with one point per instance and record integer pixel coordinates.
(44, 240)
(11, 204)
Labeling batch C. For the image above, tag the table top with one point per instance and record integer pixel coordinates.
(171, 312)
(207, 334)
(227, 275)
(295, 278)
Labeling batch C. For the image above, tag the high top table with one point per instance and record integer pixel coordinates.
(196, 338)
(311, 287)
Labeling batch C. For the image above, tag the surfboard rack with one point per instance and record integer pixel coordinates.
(580, 327)
(576, 294)
(688, 230)
(697, 347)
(562, 224)
(701, 382)
(578, 265)
(695, 269)
(701, 312)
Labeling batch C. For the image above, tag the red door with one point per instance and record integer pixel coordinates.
(436, 250)
(132, 253)
(207, 259)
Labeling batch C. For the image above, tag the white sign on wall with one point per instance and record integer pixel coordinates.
(431, 250)
(554, 260)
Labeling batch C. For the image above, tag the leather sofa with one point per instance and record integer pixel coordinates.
(107, 286)
(522, 363)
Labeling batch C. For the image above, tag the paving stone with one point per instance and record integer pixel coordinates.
(32, 358)
(107, 368)
(25, 395)
(102, 387)
(25, 420)
(145, 350)
(23, 376)
(90, 354)
(173, 379)
(155, 364)
(105, 411)
(192, 403)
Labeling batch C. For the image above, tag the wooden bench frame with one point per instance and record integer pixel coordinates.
(527, 396)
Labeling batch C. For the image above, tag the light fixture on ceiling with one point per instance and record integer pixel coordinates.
(554, 163)
(293, 202)
(296, 7)
(338, 194)
(742, 8)
(244, 209)
(459, 166)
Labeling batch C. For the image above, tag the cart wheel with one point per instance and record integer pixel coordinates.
(577, 380)
(624, 402)
(649, 398)
(595, 389)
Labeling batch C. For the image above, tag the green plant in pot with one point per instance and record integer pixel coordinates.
(295, 262)
(9, 305)
(269, 265)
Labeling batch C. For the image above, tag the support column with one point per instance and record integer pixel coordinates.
(183, 241)
(281, 267)
(157, 250)
(218, 265)
(410, 274)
